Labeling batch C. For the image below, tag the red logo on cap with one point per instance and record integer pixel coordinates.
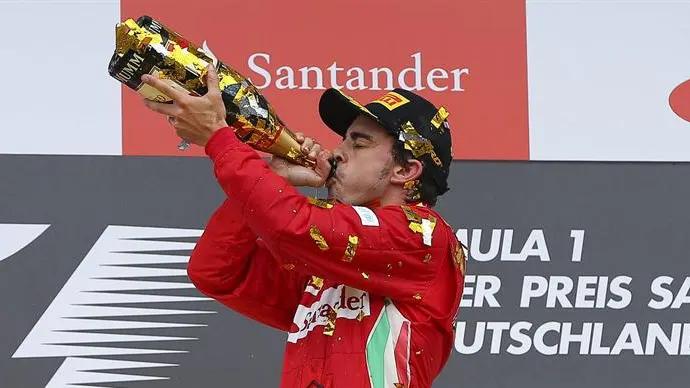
(680, 100)
(392, 100)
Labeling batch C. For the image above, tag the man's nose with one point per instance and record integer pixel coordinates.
(339, 155)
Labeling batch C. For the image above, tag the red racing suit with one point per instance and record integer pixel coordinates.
(367, 296)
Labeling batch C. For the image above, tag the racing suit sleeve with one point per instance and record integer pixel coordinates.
(231, 266)
(389, 251)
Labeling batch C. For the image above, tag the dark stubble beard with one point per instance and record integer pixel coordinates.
(381, 179)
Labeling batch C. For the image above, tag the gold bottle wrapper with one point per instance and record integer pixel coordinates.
(315, 234)
(145, 46)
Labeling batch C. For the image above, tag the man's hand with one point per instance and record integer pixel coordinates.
(304, 176)
(195, 118)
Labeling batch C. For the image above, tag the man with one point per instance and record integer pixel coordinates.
(366, 284)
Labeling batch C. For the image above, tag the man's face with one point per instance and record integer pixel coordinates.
(364, 163)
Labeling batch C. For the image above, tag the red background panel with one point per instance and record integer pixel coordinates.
(489, 118)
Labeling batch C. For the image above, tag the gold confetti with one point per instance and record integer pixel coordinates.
(320, 202)
(330, 323)
(413, 141)
(416, 227)
(360, 316)
(400, 264)
(317, 282)
(390, 267)
(351, 248)
(315, 234)
(419, 227)
(410, 214)
(428, 236)
(364, 275)
(418, 352)
(440, 117)
(460, 259)
(289, 267)
(409, 185)
(417, 296)
(427, 258)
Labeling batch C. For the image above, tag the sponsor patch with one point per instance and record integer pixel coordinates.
(392, 100)
(367, 216)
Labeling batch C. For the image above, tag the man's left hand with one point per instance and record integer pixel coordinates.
(195, 118)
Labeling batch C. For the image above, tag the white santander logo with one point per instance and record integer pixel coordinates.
(346, 301)
(87, 313)
(414, 77)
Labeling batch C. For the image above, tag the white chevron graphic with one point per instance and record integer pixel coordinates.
(15, 237)
(74, 324)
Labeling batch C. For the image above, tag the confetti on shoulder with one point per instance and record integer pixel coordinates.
(322, 203)
(318, 238)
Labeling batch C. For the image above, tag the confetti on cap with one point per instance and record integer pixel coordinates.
(413, 141)
(440, 117)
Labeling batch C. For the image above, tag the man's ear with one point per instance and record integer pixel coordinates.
(409, 172)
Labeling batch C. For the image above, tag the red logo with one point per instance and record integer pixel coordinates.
(680, 100)
(469, 57)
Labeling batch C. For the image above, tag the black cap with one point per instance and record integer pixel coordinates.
(416, 122)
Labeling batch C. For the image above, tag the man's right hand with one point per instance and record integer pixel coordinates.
(304, 176)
